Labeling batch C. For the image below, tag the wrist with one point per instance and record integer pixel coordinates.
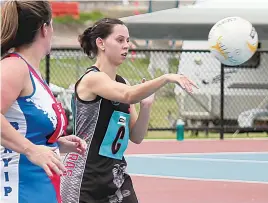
(29, 149)
(145, 105)
(167, 78)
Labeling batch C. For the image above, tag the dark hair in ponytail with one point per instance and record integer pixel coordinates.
(103, 28)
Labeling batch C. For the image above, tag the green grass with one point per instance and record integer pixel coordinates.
(64, 72)
(93, 16)
(83, 17)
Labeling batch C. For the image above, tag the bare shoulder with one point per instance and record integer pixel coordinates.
(14, 75)
(14, 66)
(93, 77)
(89, 82)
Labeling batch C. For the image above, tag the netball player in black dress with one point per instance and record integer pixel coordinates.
(106, 118)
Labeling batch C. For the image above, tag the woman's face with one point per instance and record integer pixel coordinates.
(116, 45)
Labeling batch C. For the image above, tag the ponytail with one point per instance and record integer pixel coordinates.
(87, 42)
(9, 25)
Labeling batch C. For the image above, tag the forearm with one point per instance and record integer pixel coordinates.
(13, 140)
(140, 128)
(141, 91)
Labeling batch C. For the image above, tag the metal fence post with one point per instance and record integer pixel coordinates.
(48, 68)
(222, 104)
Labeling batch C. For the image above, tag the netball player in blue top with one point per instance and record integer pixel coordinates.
(106, 118)
(32, 121)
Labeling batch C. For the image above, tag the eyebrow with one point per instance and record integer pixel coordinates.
(122, 36)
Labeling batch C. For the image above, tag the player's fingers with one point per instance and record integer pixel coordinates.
(80, 151)
(55, 168)
(47, 170)
(59, 164)
(188, 87)
(83, 145)
(192, 83)
(182, 84)
(55, 155)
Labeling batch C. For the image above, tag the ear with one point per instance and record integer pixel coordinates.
(100, 43)
(44, 30)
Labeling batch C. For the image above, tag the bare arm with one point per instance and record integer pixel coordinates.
(100, 84)
(139, 123)
(11, 139)
(14, 76)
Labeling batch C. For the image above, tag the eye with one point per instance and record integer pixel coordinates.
(120, 40)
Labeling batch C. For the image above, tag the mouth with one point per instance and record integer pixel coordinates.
(124, 55)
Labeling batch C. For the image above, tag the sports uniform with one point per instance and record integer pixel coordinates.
(100, 176)
(39, 118)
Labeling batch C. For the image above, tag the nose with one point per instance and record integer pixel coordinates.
(126, 45)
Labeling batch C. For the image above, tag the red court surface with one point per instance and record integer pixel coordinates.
(162, 190)
(157, 189)
(199, 146)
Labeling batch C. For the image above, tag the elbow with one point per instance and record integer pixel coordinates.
(129, 98)
(137, 141)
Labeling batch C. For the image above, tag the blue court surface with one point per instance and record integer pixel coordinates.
(231, 167)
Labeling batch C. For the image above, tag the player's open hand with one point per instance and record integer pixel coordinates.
(183, 81)
(47, 158)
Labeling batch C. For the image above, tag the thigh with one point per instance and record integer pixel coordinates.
(125, 194)
(128, 192)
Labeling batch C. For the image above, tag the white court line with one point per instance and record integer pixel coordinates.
(203, 140)
(208, 159)
(199, 179)
(201, 153)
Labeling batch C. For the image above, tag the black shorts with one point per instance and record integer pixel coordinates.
(125, 194)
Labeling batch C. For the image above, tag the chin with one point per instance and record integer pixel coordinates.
(118, 63)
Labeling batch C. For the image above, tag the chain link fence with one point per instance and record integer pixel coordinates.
(228, 98)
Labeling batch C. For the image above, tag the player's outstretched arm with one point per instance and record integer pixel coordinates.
(99, 83)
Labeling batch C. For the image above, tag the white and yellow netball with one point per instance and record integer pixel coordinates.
(233, 41)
